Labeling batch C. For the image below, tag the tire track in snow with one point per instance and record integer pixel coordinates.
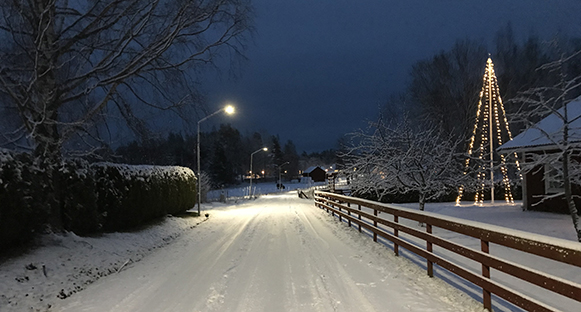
(333, 282)
(235, 248)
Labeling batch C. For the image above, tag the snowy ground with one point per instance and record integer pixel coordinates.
(276, 253)
(66, 264)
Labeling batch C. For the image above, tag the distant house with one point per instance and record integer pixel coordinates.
(315, 173)
(546, 179)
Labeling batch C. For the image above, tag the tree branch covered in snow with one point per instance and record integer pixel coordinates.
(403, 159)
(559, 129)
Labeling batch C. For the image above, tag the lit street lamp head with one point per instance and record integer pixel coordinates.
(250, 195)
(229, 109)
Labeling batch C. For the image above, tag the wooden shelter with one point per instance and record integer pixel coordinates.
(316, 173)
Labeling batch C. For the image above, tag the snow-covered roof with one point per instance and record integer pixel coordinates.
(310, 169)
(549, 131)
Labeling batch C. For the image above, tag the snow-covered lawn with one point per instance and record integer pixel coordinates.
(507, 215)
(276, 253)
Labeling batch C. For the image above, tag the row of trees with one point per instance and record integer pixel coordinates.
(225, 155)
(424, 154)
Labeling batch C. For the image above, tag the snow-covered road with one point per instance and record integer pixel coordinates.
(277, 253)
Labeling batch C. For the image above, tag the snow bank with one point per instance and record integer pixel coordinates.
(64, 264)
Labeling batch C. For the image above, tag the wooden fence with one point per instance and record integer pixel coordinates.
(563, 251)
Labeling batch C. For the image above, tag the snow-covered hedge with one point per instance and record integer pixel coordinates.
(85, 198)
(133, 195)
(25, 197)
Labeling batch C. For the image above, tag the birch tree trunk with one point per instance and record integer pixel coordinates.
(567, 179)
(569, 197)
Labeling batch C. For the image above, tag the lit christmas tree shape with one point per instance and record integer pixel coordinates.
(487, 134)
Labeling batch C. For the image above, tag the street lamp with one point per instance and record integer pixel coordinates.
(279, 175)
(229, 109)
(251, 174)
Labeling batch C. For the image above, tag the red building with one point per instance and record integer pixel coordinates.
(315, 173)
(540, 150)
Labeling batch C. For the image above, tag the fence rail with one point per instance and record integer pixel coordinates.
(563, 251)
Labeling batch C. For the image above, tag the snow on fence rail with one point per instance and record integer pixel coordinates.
(559, 250)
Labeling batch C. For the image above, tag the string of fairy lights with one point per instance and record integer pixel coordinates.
(488, 121)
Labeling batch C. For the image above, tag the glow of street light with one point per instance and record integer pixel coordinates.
(251, 175)
(229, 109)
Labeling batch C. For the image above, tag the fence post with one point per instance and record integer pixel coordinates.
(359, 207)
(486, 297)
(429, 247)
(332, 205)
(396, 234)
(349, 213)
(340, 218)
(375, 225)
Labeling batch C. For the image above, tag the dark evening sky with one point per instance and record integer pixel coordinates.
(318, 69)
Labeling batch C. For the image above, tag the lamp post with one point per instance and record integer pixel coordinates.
(229, 109)
(279, 175)
(251, 172)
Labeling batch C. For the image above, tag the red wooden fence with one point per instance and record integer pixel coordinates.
(555, 249)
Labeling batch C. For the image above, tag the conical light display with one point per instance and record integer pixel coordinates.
(487, 134)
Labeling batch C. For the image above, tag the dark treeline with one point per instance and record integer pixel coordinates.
(225, 155)
(444, 89)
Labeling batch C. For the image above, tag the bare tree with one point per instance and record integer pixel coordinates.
(67, 65)
(366, 166)
(559, 130)
(402, 159)
(444, 89)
